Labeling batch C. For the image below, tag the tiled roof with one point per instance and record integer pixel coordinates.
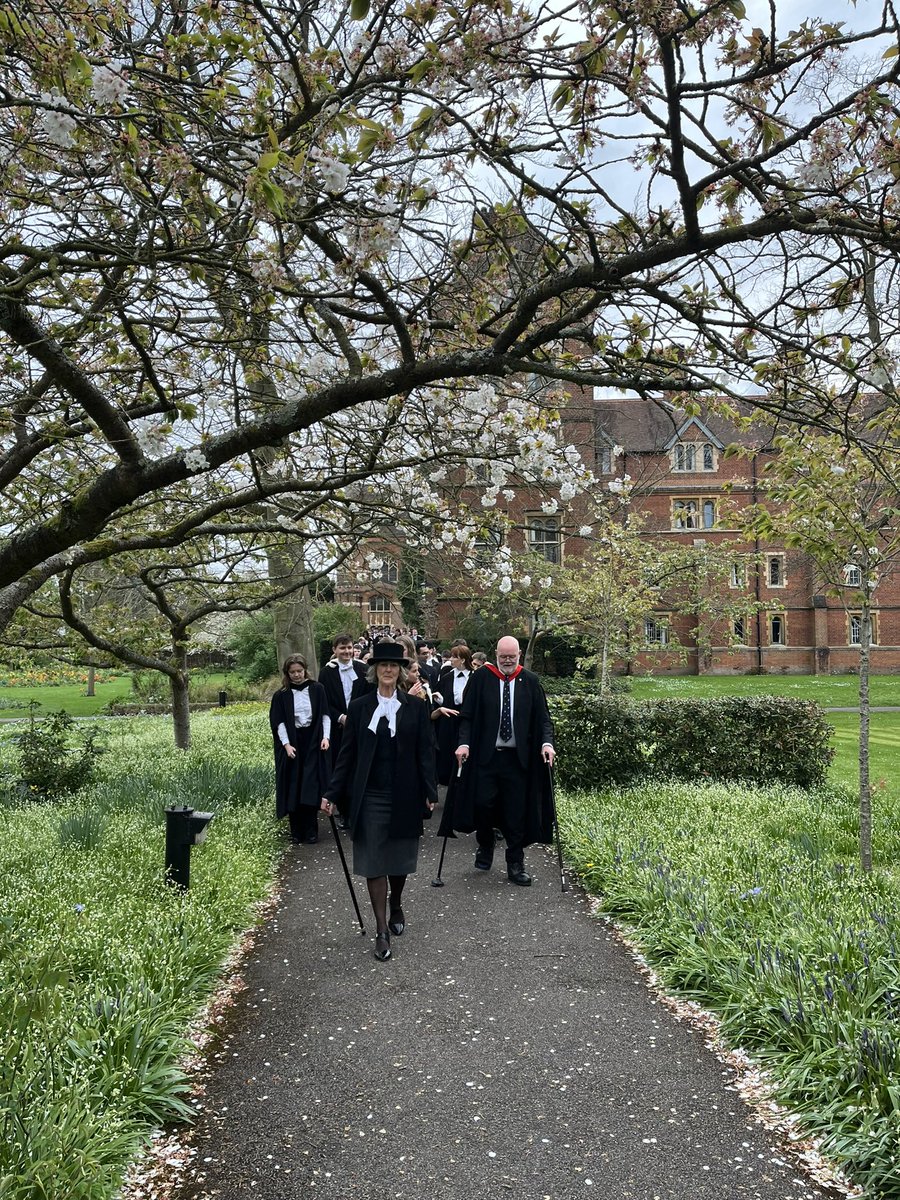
(643, 426)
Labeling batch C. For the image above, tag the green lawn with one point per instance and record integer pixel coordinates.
(68, 696)
(831, 691)
(71, 696)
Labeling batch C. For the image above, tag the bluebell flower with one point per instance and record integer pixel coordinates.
(756, 891)
(79, 908)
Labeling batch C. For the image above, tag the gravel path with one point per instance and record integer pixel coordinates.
(509, 1048)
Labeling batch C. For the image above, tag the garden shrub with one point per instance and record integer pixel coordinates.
(765, 739)
(53, 760)
(600, 741)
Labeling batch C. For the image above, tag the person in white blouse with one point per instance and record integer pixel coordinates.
(301, 731)
(454, 682)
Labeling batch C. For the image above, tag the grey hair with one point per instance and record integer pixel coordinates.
(372, 675)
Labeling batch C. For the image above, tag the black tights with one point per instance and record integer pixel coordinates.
(378, 894)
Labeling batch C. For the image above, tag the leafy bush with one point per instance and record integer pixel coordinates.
(766, 739)
(54, 760)
(599, 739)
(584, 685)
(253, 643)
(328, 620)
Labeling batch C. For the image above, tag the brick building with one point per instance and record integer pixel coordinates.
(687, 492)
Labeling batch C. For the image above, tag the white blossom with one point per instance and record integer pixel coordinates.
(505, 584)
(195, 459)
(108, 86)
(58, 126)
(585, 531)
(526, 581)
(335, 174)
(814, 174)
(545, 581)
(549, 507)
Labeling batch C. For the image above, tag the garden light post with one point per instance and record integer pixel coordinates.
(184, 828)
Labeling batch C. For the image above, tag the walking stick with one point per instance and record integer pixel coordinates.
(562, 878)
(437, 881)
(337, 839)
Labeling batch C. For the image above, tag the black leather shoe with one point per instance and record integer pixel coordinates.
(311, 839)
(382, 946)
(397, 923)
(483, 860)
(516, 873)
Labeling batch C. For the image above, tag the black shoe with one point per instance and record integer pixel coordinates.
(296, 841)
(382, 946)
(311, 839)
(397, 923)
(516, 873)
(342, 824)
(498, 836)
(483, 859)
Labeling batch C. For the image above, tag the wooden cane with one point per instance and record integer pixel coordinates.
(337, 839)
(559, 854)
(437, 881)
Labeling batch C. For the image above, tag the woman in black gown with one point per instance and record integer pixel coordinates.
(301, 728)
(384, 777)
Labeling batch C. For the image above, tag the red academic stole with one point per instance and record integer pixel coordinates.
(513, 675)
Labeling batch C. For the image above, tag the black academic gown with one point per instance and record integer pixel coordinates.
(414, 783)
(479, 720)
(330, 679)
(299, 782)
(446, 730)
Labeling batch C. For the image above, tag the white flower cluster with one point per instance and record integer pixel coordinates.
(814, 174)
(620, 487)
(150, 437)
(59, 126)
(334, 173)
(195, 459)
(108, 84)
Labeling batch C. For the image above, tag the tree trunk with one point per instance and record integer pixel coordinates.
(181, 704)
(292, 616)
(865, 790)
(91, 680)
(604, 664)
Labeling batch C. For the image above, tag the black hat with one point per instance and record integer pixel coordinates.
(391, 652)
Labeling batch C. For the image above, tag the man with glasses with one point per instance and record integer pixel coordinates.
(506, 738)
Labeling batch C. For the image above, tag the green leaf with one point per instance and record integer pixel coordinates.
(269, 160)
(359, 10)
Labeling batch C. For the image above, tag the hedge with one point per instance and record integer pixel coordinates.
(765, 739)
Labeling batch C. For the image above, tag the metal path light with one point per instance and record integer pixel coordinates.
(184, 828)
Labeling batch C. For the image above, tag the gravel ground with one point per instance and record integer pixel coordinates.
(511, 1047)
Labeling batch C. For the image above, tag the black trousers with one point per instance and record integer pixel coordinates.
(502, 801)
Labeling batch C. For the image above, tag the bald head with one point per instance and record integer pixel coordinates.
(507, 653)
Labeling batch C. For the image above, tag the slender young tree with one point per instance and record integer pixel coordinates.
(829, 499)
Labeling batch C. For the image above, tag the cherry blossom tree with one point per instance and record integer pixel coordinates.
(361, 235)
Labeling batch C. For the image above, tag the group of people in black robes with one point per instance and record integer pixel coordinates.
(373, 741)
